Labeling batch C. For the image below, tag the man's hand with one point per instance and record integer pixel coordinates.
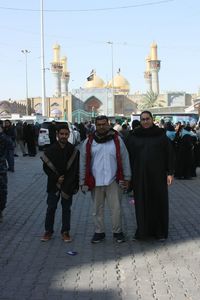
(61, 179)
(84, 188)
(124, 184)
(170, 179)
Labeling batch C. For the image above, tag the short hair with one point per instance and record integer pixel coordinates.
(146, 112)
(62, 126)
(101, 117)
(134, 124)
(124, 126)
(8, 121)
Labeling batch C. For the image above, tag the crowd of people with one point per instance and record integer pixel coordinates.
(141, 159)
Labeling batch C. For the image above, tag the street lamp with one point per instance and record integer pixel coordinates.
(111, 44)
(26, 52)
(44, 106)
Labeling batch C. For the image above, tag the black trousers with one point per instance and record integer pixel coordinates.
(52, 202)
(3, 190)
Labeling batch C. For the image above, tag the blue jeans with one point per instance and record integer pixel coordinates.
(52, 202)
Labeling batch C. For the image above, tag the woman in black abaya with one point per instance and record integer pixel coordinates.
(152, 164)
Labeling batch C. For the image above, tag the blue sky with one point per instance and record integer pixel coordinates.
(83, 34)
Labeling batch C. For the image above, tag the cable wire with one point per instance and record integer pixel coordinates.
(87, 9)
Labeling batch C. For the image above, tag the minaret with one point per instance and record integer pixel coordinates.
(56, 69)
(154, 68)
(147, 73)
(64, 77)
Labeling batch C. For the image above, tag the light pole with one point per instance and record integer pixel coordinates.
(44, 106)
(26, 52)
(112, 66)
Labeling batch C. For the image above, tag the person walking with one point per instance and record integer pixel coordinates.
(10, 132)
(185, 167)
(61, 164)
(29, 136)
(20, 137)
(5, 144)
(104, 166)
(152, 165)
(52, 132)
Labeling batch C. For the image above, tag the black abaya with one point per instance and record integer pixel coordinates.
(152, 159)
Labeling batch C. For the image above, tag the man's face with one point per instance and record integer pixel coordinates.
(102, 126)
(63, 136)
(7, 124)
(146, 120)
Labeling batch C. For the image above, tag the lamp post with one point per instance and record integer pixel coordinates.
(112, 66)
(44, 106)
(26, 52)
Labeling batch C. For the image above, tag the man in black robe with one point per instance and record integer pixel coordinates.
(152, 164)
(61, 164)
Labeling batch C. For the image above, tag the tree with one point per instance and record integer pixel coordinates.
(151, 100)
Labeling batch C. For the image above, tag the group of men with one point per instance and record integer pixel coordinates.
(106, 166)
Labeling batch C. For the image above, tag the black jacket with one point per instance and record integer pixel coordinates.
(59, 157)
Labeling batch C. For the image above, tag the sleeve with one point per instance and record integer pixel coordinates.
(82, 166)
(9, 143)
(50, 173)
(125, 160)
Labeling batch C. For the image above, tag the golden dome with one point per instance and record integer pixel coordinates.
(119, 82)
(94, 82)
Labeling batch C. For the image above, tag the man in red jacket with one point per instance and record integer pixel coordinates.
(104, 169)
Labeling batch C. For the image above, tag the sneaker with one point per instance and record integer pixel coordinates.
(119, 237)
(46, 237)
(98, 237)
(1, 217)
(66, 237)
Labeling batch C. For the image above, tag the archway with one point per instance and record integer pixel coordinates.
(92, 104)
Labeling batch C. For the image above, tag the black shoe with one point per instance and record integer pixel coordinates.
(16, 155)
(135, 238)
(98, 237)
(25, 154)
(161, 239)
(119, 237)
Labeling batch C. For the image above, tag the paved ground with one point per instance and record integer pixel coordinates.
(32, 270)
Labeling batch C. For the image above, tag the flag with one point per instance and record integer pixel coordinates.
(91, 77)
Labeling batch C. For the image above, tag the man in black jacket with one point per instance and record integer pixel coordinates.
(5, 145)
(61, 164)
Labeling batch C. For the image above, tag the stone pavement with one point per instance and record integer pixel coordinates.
(34, 270)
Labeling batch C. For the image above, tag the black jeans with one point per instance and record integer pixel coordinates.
(52, 201)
